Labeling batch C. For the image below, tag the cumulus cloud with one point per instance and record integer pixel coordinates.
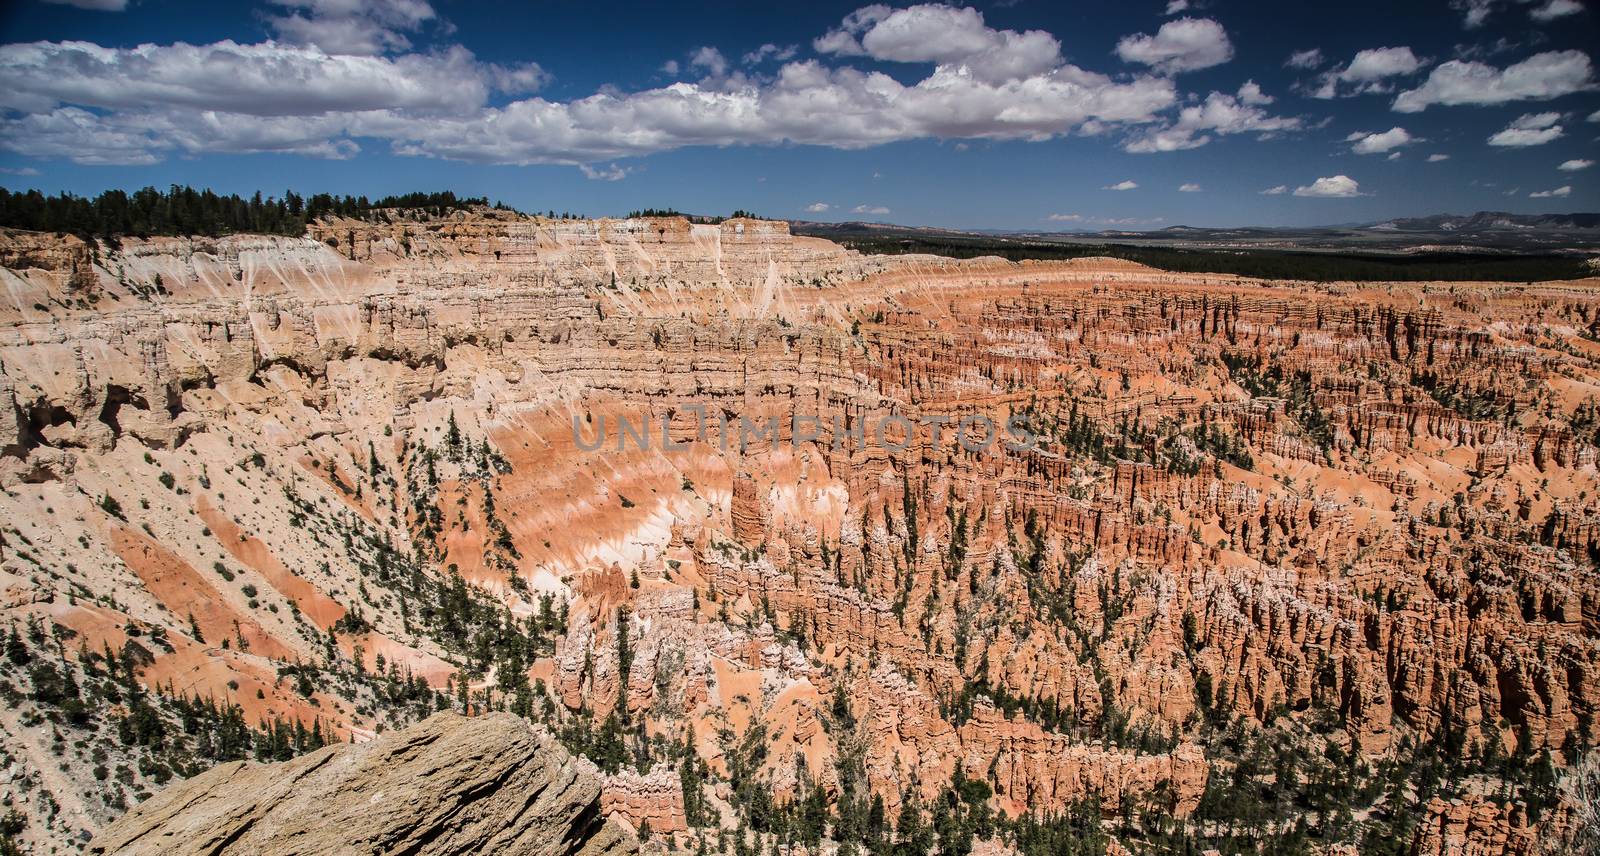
(1554, 9)
(1435, 158)
(1176, 6)
(1575, 164)
(610, 172)
(317, 91)
(1369, 71)
(709, 60)
(1540, 77)
(950, 37)
(1474, 12)
(1065, 218)
(1529, 129)
(1221, 114)
(1276, 191)
(1559, 193)
(1305, 60)
(144, 138)
(869, 209)
(818, 207)
(1125, 184)
(435, 104)
(95, 5)
(772, 52)
(1250, 93)
(1594, 117)
(517, 79)
(233, 78)
(1380, 63)
(1190, 187)
(351, 26)
(1330, 187)
(846, 39)
(21, 170)
(1371, 144)
(1187, 44)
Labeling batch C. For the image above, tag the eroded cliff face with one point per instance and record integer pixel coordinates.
(1367, 512)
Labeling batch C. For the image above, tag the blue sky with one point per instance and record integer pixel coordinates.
(1014, 115)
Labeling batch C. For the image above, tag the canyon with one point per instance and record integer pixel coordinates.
(1290, 561)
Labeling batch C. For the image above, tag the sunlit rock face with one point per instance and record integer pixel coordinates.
(1367, 512)
(450, 784)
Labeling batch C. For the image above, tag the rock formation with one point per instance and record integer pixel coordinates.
(630, 478)
(450, 784)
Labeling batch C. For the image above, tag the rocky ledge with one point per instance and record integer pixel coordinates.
(450, 784)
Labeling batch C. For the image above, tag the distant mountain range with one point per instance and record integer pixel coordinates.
(1490, 221)
(1485, 231)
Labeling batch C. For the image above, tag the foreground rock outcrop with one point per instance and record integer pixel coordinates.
(450, 784)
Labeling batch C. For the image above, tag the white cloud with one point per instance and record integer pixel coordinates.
(1176, 6)
(1276, 191)
(351, 26)
(1331, 187)
(145, 137)
(869, 209)
(1190, 187)
(1435, 158)
(1371, 144)
(1105, 221)
(1559, 193)
(610, 172)
(518, 79)
(845, 40)
(1393, 156)
(818, 207)
(435, 104)
(1529, 129)
(95, 5)
(1575, 164)
(1306, 59)
(235, 78)
(1475, 11)
(1125, 184)
(21, 170)
(670, 68)
(1250, 93)
(1594, 117)
(1555, 9)
(710, 60)
(138, 105)
(1370, 71)
(1543, 76)
(771, 51)
(1219, 113)
(1187, 44)
(953, 38)
(1380, 63)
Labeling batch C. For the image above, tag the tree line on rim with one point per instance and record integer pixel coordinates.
(186, 211)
